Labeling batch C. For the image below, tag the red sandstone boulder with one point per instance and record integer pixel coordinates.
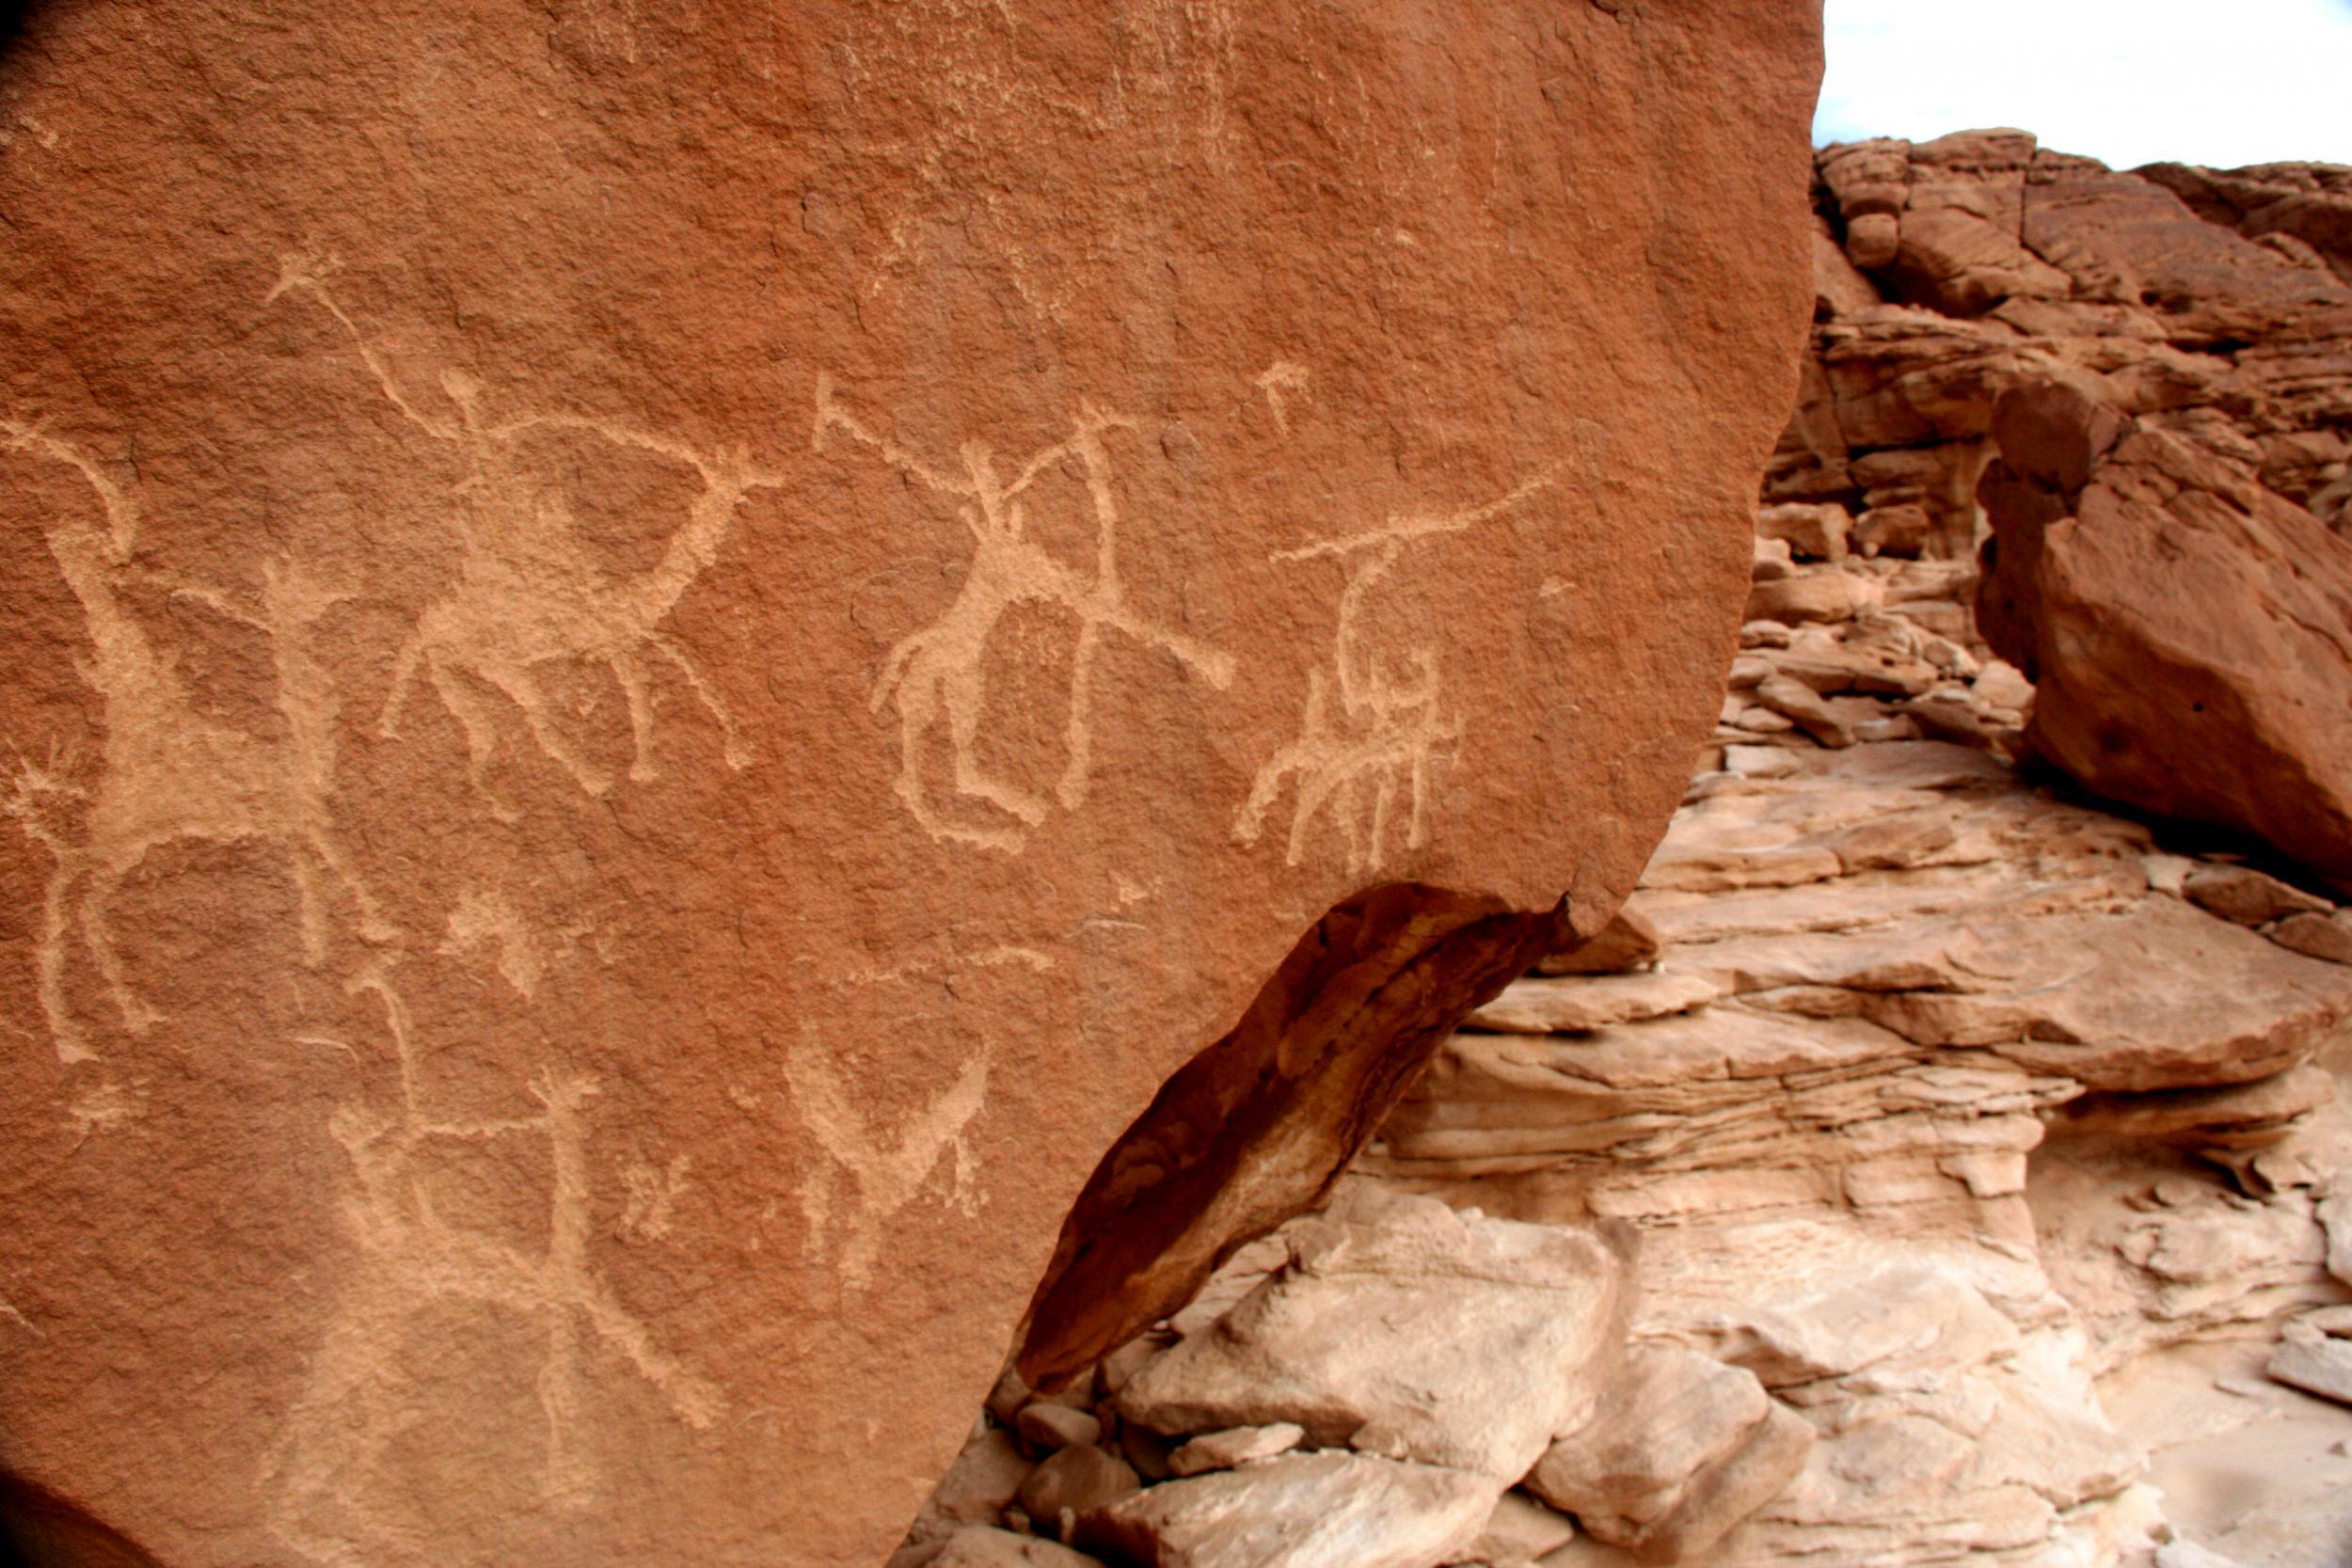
(663, 662)
(2187, 632)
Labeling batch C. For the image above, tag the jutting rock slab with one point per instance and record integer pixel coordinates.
(2189, 629)
(663, 661)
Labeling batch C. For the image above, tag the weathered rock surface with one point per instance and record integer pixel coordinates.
(1303, 1511)
(1401, 1328)
(641, 639)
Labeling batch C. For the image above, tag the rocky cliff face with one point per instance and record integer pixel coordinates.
(1937, 1162)
(665, 659)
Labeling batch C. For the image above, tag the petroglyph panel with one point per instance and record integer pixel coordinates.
(658, 673)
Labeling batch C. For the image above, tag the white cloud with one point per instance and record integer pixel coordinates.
(2128, 82)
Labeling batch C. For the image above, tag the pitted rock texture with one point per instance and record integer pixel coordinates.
(664, 660)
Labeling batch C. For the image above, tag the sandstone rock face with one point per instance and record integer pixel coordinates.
(2194, 643)
(664, 660)
(2189, 631)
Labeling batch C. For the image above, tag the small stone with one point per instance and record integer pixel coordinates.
(1055, 1427)
(1333, 1510)
(1124, 1362)
(2316, 936)
(1629, 941)
(2317, 1362)
(1078, 1479)
(1827, 597)
(1520, 1530)
(2181, 1552)
(1872, 239)
(2003, 685)
(1234, 1447)
(1006, 1400)
(2247, 896)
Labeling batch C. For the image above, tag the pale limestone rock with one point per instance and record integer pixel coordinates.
(2314, 1362)
(1234, 1447)
(1877, 1331)
(1300, 1511)
(2335, 1217)
(1403, 1329)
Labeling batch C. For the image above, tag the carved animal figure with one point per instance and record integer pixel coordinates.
(888, 1173)
(1354, 756)
(411, 1260)
(168, 771)
(938, 676)
(529, 592)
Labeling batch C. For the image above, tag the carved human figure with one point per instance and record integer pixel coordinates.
(529, 592)
(1374, 723)
(167, 771)
(410, 1259)
(938, 676)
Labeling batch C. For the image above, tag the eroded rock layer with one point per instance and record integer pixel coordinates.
(663, 659)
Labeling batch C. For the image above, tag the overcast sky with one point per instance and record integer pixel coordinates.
(2217, 82)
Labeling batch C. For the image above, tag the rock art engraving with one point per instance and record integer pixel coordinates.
(529, 594)
(651, 1206)
(166, 771)
(886, 1172)
(412, 1258)
(937, 678)
(1282, 381)
(1374, 723)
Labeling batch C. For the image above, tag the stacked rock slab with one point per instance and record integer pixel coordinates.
(664, 658)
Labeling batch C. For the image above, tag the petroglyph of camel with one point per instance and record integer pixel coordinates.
(1354, 756)
(528, 592)
(168, 771)
(939, 675)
